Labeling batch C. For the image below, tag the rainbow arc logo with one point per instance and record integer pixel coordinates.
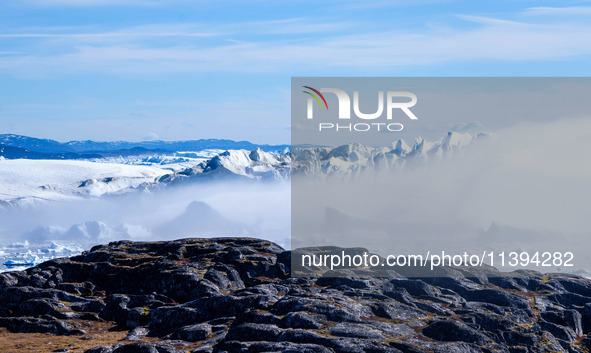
(316, 96)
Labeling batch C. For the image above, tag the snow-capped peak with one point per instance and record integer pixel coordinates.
(352, 159)
(241, 164)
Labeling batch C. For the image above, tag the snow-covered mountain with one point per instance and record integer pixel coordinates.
(26, 181)
(236, 165)
(352, 159)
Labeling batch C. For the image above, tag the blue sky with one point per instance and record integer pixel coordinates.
(190, 69)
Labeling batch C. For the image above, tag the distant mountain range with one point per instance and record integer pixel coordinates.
(353, 159)
(10, 152)
(17, 146)
(61, 175)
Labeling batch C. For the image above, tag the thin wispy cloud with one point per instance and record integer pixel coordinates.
(86, 3)
(364, 4)
(104, 35)
(570, 10)
(291, 26)
(491, 21)
(233, 51)
(89, 33)
(274, 28)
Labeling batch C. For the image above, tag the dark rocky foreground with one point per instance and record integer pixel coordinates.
(236, 295)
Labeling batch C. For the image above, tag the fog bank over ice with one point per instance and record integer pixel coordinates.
(532, 182)
(227, 208)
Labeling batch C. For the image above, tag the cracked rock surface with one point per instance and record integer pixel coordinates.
(236, 295)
